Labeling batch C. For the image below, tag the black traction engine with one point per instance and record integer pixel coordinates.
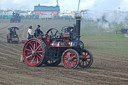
(56, 47)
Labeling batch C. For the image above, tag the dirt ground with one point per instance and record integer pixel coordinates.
(104, 71)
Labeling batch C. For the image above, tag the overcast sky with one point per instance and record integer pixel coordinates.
(67, 5)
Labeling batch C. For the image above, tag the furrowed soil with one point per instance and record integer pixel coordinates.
(107, 68)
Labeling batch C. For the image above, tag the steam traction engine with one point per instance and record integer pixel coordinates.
(56, 47)
(15, 18)
(12, 36)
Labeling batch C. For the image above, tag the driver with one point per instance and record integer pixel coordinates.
(11, 32)
(38, 31)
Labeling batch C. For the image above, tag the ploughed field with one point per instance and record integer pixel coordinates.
(110, 52)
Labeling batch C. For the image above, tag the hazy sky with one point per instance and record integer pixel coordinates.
(70, 5)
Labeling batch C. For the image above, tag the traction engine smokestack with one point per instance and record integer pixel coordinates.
(77, 29)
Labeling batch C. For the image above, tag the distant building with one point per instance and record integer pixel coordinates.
(68, 14)
(53, 10)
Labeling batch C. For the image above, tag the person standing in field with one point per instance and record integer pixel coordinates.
(38, 31)
(29, 33)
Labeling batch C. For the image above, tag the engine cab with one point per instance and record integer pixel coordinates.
(69, 36)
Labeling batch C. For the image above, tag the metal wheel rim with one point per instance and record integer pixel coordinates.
(70, 59)
(33, 52)
(85, 60)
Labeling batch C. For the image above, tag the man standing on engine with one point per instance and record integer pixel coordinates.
(38, 31)
(29, 33)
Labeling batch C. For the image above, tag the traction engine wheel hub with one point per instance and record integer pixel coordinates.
(33, 52)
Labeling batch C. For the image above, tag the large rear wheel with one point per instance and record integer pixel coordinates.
(34, 52)
(86, 59)
(70, 58)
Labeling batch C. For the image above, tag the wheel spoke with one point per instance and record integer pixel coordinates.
(87, 57)
(65, 58)
(28, 49)
(73, 63)
(30, 46)
(38, 47)
(74, 60)
(74, 56)
(39, 51)
(38, 57)
(32, 60)
(36, 44)
(34, 47)
(29, 56)
(82, 62)
(86, 63)
(86, 54)
(28, 53)
(88, 60)
(68, 54)
(68, 63)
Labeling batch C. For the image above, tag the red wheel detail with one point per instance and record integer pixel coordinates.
(86, 60)
(70, 58)
(33, 52)
(38, 47)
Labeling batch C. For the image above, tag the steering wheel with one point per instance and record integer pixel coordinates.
(52, 32)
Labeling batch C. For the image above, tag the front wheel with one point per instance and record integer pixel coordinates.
(70, 58)
(86, 59)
